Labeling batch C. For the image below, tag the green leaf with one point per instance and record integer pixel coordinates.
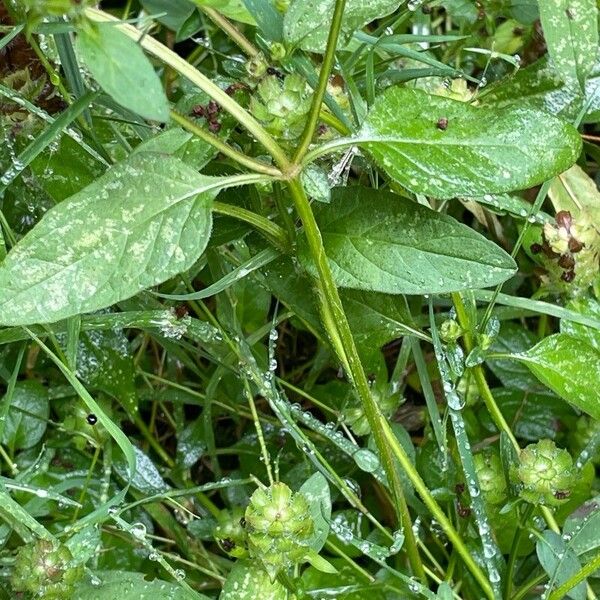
(316, 491)
(232, 9)
(104, 362)
(122, 70)
(268, 19)
(567, 365)
(122, 585)
(141, 223)
(513, 338)
(533, 415)
(177, 11)
(539, 85)
(27, 416)
(571, 34)
(481, 151)
(559, 562)
(381, 242)
(249, 582)
(585, 306)
(146, 478)
(306, 22)
(581, 530)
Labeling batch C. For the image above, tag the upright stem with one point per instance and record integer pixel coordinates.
(479, 375)
(327, 64)
(339, 332)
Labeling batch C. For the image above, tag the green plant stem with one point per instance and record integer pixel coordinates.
(232, 32)
(84, 489)
(436, 510)
(173, 60)
(326, 66)
(259, 432)
(587, 570)
(512, 558)
(337, 326)
(479, 375)
(224, 148)
(272, 231)
(525, 589)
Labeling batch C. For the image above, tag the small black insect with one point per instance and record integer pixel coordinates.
(442, 123)
(243, 522)
(228, 545)
(562, 494)
(92, 419)
(276, 72)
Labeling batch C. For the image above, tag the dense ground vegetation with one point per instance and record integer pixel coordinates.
(299, 299)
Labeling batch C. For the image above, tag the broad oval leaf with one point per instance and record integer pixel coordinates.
(569, 367)
(446, 148)
(122, 70)
(142, 222)
(123, 585)
(381, 242)
(306, 22)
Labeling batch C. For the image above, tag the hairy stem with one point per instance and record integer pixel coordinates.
(338, 329)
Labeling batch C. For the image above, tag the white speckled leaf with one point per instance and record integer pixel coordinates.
(571, 33)
(539, 85)
(381, 242)
(482, 150)
(123, 585)
(568, 366)
(306, 22)
(123, 71)
(145, 220)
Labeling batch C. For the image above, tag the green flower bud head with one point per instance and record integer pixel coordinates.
(450, 331)
(281, 107)
(46, 570)
(570, 252)
(279, 524)
(545, 474)
(257, 66)
(490, 474)
(229, 533)
(277, 51)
